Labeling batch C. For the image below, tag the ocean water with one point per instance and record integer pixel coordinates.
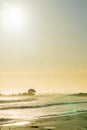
(22, 110)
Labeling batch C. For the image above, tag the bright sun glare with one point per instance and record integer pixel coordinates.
(12, 17)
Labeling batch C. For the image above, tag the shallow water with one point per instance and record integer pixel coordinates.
(23, 109)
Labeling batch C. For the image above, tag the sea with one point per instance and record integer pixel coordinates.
(20, 110)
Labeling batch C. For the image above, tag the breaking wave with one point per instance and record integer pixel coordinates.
(39, 106)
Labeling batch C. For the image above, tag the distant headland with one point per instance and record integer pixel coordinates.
(79, 94)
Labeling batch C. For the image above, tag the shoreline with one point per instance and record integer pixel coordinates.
(27, 122)
(68, 122)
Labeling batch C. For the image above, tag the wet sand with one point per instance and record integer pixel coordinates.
(70, 122)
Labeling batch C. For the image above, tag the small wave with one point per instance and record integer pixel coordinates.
(17, 100)
(64, 114)
(40, 106)
(5, 121)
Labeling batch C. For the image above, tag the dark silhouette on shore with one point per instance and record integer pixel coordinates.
(30, 92)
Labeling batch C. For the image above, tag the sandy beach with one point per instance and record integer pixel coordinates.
(70, 122)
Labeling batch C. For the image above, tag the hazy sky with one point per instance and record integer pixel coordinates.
(45, 47)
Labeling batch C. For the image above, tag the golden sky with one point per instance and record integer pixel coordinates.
(43, 45)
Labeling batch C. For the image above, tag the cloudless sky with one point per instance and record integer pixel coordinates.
(49, 51)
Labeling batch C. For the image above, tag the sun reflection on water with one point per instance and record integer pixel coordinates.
(18, 123)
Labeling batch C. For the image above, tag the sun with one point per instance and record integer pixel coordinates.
(13, 17)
